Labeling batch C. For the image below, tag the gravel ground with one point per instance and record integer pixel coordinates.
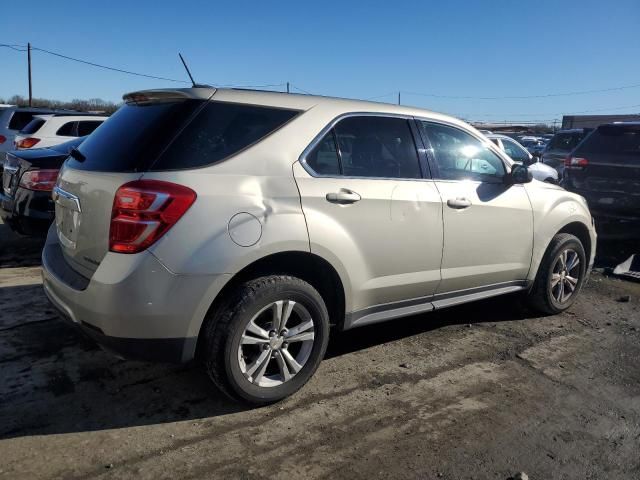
(480, 391)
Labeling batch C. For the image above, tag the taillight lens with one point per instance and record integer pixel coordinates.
(145, 210)
(39, 180)
(2, 139)
(27, 142)
(577, 162)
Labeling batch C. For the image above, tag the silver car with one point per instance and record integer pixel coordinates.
(518, 153)
(236, 226)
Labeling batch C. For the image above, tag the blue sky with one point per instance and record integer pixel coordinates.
(347, 49)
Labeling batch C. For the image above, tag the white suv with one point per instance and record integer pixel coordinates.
(48, 130)
(12, 120)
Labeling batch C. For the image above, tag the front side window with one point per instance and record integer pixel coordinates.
(516, 152)
(381, 147)
(460, 156)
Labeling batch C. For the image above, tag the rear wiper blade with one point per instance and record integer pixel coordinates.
(75, 153)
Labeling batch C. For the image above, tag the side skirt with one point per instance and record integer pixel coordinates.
(405, 308)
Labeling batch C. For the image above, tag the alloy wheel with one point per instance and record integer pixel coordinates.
(565, 275)
(276, 343)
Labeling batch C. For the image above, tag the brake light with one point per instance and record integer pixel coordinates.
(577, 162)
(2, 139)
(39, 180)
(143, 211)
(27, 142)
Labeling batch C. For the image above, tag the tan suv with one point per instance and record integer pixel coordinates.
(236, 226)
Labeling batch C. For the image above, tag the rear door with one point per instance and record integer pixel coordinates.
(488, 225)
(369, 207)
(606, 169)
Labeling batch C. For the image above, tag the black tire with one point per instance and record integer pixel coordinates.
(542, 295)
(225, 327)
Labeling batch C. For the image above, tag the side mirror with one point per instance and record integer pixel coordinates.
(520, 174)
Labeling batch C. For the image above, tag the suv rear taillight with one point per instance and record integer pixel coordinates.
(27, 142)
(145, 210)
(2, 139)
(39, 180)
(575, 162)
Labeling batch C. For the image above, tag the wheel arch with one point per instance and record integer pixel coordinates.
(581, 231)
(307, 266)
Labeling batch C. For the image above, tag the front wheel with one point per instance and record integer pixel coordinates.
(560, 276)
(268, 339)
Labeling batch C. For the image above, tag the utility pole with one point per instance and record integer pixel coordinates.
(287, 87)
(398, 98)
(29, 63)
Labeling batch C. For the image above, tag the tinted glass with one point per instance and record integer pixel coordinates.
(377, 147)
(33, 126)
(67, 130)
(19, 120)
(515, 151)
(87, 127)
(133, 137)
(564, 142)
(459, 155)
(613, 139)
(219, 131)
(323, 159)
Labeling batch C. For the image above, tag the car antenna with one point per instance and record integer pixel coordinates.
(195, 85)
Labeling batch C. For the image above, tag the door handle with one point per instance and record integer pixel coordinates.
(343, 197)
(459, 203)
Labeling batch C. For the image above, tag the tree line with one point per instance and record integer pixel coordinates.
(90, 105)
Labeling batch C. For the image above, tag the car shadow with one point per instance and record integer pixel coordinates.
(54, 380)
(17, 250)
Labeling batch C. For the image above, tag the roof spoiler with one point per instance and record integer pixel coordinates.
(143, 97)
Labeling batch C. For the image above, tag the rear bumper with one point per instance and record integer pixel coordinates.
(132, 305)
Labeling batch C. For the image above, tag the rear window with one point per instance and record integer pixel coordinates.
(565, 142)
(19, 120)
(143, 136)
(33, 126)
(219, 131)
(613, 139)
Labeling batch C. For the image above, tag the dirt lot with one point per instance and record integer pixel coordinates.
(480, 391)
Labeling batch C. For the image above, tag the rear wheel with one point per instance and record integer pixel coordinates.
(560, 276)
(268, 339)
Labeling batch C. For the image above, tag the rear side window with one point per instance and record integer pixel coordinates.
(67, 130)
(564, 142)
(87, 127)
(19, 120)
(323, 159)
(381, 147)
(219, 131)
(613, 139)
(33, 126)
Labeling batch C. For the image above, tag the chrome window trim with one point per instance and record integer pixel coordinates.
(318, 138)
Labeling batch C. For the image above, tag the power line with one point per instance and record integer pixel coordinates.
(301, 90)
(547, 95)
(107, 67)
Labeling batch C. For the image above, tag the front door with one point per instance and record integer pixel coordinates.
(488, 224)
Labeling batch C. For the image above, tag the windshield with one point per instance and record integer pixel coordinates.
(33, 126)
(613, 139)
